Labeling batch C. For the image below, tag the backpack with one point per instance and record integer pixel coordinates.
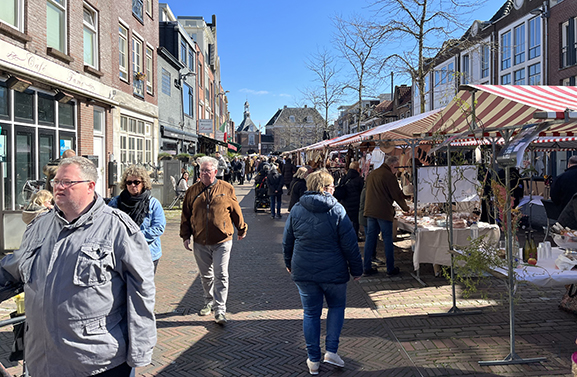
(341, 190)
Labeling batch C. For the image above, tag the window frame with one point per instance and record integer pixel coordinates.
(166, 84)
(183, 51)
(149, 67)
(485, 61)
(532, 75)
(466, 68)
(138, 5)
(123, 69)
(508, 76)
(63, 27)
(18, 17)
(534, 37)
(517, 81)
(137, 66)
(189, 99)
(519, 44)
(506, 50)
(94, 30)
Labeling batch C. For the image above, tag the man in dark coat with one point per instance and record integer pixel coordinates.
(382, 190)
(353, 185)
(275, 183)
(565, 185)
(288, 170)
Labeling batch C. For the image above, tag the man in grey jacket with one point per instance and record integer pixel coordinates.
(89, 282)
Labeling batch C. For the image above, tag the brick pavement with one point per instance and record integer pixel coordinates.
(387, 331)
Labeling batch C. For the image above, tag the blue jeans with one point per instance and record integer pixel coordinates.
(312, 299)
(374, 227)
(275, 199)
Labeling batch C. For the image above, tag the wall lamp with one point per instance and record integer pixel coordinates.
(62, 97)
(542, 11)
(17, 84)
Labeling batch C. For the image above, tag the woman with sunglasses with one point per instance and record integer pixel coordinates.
(145, 210)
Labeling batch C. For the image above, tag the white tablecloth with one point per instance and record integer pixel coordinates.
(432, 245)
(545, 274)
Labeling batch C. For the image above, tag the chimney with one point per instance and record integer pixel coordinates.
(305, 106)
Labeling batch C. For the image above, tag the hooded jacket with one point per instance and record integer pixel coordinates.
(89, 289)
(319, 242)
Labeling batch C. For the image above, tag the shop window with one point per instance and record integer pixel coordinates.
(123, 51)
(45, 148)
(5, 150)
(56, 24)
(4, 102)
(46, 109)
(24, 160)
(90, 37)
(66, 115)
(66, 141)
(24, 106)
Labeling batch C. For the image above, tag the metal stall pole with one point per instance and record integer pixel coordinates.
(416, 275)
(512, 357)
(454, 310)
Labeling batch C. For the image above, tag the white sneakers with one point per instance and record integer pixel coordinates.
(330, 358)
(333, 358)
(313, 366)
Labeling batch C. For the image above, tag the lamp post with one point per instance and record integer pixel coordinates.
(182, 77)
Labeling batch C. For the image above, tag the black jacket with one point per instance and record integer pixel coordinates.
(564, 186)
(288, 170)
(275, 182)
(354, 186)
(297, 189)
(568, 217)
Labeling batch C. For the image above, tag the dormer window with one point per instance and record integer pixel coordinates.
(292, 118)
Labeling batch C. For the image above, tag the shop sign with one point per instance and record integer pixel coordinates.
(205, 126)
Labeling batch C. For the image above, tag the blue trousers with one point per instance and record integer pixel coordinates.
(374, 227)
(275, 199)
(312, 295)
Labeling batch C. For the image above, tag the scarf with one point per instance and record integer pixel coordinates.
(134, 206)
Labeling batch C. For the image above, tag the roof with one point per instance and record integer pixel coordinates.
(247, 125)
(498, 106)
(282, 116)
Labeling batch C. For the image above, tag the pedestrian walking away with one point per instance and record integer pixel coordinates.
(88, 280)
(209, 212)
(145, 210)
(321, 253)
(275, 183)
(382, 189)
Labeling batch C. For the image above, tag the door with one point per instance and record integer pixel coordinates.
(100, 149)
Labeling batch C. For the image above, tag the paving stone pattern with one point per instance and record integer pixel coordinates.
(387, 330)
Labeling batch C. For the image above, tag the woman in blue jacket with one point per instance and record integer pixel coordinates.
(321, 253)
(144, 209)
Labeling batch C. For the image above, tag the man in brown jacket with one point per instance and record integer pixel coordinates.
(209, 212)
(382, 189)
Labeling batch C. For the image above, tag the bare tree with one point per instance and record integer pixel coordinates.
(358, 45)
(418, 26)
(329, 89)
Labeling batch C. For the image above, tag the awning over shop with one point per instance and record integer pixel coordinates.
(175, 133)
(212, 141)
(498, 106)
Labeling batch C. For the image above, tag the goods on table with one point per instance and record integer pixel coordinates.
(564, 237)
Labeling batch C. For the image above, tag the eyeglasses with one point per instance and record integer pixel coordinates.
(206, 171)
(330, 187)
(66, 182)
(135, 183)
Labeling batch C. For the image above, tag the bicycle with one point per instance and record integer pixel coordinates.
(18, 345)
(31, 187)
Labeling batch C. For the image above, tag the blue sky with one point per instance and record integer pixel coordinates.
(263, 46)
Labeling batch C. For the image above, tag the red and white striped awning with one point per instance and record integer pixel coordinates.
(499, 106)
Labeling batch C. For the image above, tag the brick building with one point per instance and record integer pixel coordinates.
(73, 75)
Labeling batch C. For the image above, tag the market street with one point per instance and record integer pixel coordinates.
(387, 331)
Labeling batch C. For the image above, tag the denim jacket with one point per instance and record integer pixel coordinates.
(89, 289)
(152, 227)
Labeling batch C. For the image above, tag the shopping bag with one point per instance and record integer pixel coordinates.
(569, 300)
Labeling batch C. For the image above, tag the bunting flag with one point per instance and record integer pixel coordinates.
(223, 129)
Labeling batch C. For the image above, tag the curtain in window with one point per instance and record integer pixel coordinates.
(54, 30)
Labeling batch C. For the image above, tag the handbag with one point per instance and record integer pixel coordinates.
(569, 301)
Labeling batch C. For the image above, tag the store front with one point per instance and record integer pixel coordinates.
(175, 141)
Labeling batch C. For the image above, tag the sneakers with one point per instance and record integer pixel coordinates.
(395, 271)
(333, 358)
(220, 319)
(205, 310)
(272, 216)
(313, 366)
(279, 216)
(369, 272)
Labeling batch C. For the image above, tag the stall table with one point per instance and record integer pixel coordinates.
(432, 242)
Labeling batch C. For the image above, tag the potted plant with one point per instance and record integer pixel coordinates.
(184, 157)
(140, 75)
(164, 156)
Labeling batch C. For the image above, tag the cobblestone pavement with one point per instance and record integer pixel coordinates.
(387, 331)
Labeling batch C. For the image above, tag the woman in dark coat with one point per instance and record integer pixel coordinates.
(321, 253)
(288, 170)
(275, 182)
(353, 183)
(298, 185)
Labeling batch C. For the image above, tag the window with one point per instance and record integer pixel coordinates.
(24, 106)
(140, 127)
(46, 109)
(123, 149)
(519, 77)
(466, 68)
(292, 118)
(506, 79)
(485, 61)
(66, 115)
(139, 150)
(568, 43)
(149, 7)
(148, 155)
(131, 150)
(444, 75)
(519, 44)
(138, 87)
(506, 50)
(149, 70)
(132, 125)
(183, 52)
(12, 11)
(535, 74)
(451, 72)
(123, 51)
(187, 100)
(90, 37)
(4, 104)
(191, 60)
(251, 139)
(123, 124)
(534, 37)
(137, 9)
(165, 82)
(437, 78)
(56, 24)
